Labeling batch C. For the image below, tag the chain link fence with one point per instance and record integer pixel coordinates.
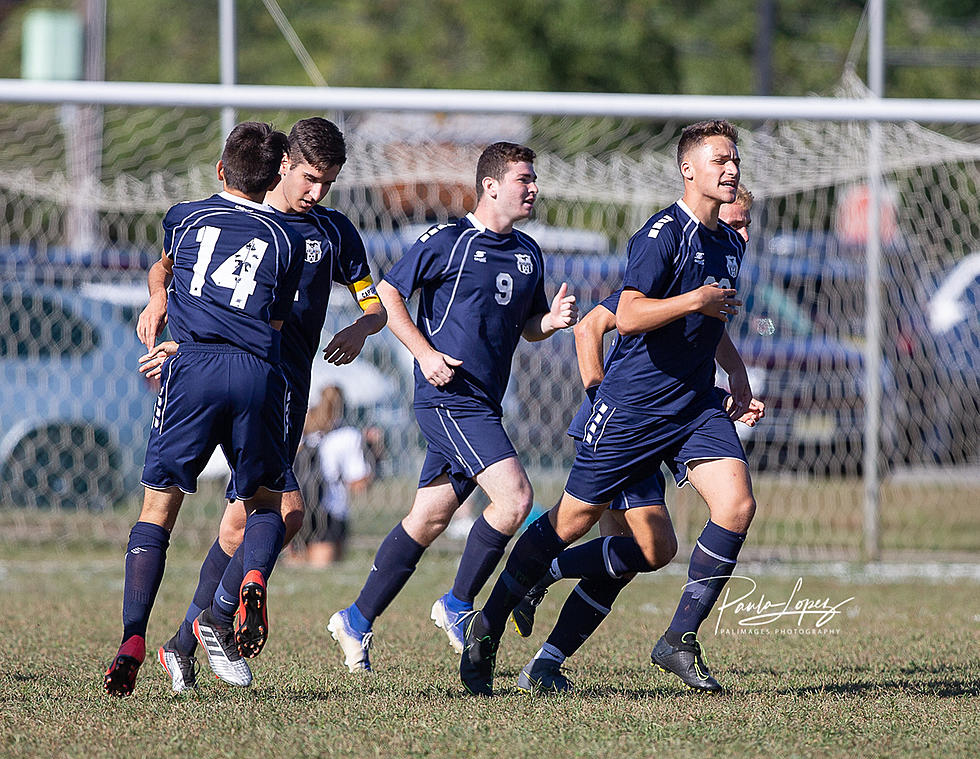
(83, 190)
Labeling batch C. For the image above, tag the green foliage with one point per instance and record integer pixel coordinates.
(644, 46)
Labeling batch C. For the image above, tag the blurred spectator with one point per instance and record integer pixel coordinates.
(338, 468)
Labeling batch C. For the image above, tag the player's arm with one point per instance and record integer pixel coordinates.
(437, 368)
(562, 314)
(153, 318)
(346, 345)
(638, 313)
(743, 402)
(589, 333)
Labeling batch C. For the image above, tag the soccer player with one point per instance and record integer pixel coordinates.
(234, 267)
(590, 602)
(334, 252)
(656, 404)
(482, 288)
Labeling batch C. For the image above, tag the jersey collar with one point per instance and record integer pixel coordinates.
(683, 206)
(245, 202)
(479, 225)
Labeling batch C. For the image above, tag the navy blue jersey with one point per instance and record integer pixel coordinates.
(236, 266)
(334, 252)
(670, 371)
(478, 289)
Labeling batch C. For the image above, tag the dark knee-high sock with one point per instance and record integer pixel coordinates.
(224, 602)
(527, 562)
(146, 556)
(261, 544)
(394, 563)
(484, 549)
(601, 558)
(581, 615)
(207, 583)
(712, 563)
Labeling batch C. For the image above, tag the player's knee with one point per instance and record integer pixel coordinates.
(660, 551)
(230, 535)
(743, 512)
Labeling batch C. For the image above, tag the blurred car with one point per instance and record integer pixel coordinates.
(950, 339)
(74, 412)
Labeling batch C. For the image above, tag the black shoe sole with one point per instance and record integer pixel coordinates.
(252, 633)
(697, 688)
(120, 680)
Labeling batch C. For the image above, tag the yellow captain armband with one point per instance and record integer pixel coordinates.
(364, 292)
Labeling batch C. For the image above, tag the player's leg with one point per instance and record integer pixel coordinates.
(544, 539)
(394, 564)
(714, 463)
(146, 556)
(511, 496)
(642, 540)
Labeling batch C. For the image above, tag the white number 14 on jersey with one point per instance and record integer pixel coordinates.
(237, 272)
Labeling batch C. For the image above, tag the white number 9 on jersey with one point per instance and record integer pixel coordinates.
(505, 288)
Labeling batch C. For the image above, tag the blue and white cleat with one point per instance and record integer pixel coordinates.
(354, 644)
(450, 621)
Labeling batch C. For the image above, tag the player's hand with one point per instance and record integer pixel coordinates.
(564, 310)
(717, 301)
(741, 390)
(757, 410)
(438, 368)
(151, 363)
(152, 320)
(346, 345)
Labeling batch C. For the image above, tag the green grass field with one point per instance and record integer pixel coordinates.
(900, 677)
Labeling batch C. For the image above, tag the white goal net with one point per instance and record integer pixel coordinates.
(83, 189)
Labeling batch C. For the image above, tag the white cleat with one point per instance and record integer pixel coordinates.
(449, 621)
(219, 643)
(354, 645)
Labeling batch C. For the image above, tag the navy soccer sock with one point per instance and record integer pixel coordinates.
(146, 555)
(601, 558)
(582, 613)
(526, 564)
(394, 563)
(225, 599)
(261, 544)
(712, 563)
(484, 549)
(207, 583)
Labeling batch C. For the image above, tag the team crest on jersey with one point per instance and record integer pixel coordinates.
(699, 257)
(732, 266)
(313, 251)
(524, 263)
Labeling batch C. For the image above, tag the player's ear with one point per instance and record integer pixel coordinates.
(220, 167)
(490, 186)
(687, 170)
(284, 164)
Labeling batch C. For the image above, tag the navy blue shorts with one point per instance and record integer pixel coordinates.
(215, 395)
(622, 453)
(462, 441)
(296, 408)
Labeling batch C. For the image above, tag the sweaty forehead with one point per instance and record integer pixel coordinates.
(718, 146)
(521, 169)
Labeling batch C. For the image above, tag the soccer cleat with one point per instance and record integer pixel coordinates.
(523, 614)
(479, 656)
(120, 678)
(219, 644)
(354, 644)
(686, 661)
(181, 667)
(251, 619)
(450, 621)
(543, 676)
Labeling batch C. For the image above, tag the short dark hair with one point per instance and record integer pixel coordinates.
(695, 134)
(252, 156)
(318, 142)
(493, 161)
